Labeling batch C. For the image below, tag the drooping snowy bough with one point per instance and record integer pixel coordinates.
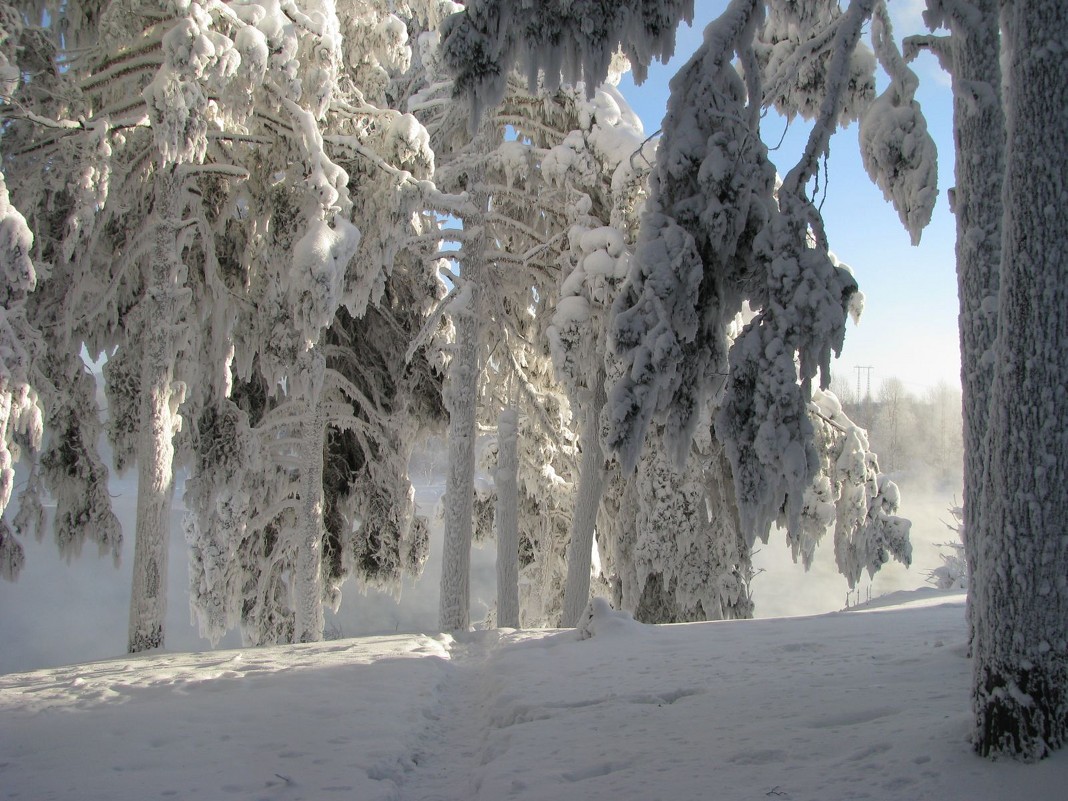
(20, 415)
(572, 40)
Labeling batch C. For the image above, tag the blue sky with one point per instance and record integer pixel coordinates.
(909, 326)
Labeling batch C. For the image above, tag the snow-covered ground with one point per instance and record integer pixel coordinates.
(867, 704)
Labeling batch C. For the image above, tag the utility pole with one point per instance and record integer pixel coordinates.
(869, 368)
(867, 399)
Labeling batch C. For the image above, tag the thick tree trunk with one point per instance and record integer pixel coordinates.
(506, 479)
(1020, 590)
(461, 399)
(308, 577)
(159, 421)
(588, 502)
(979, 123)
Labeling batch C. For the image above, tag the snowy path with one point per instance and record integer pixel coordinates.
(451, 753)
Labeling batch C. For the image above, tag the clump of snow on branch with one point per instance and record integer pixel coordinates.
(574, 41)
(793, 50)
(603, 263)
(375, 47)
(21, 421)
(897, 151)
(193, 56)
(90, 188)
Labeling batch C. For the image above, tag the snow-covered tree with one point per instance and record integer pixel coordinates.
(318, 350)
(205, 247)
(686, 559)
(64, 457)
(509, 369)
(582, 156)
(514, 233)
(952, 574)
(1015, 550)
(603, 163)
(716, 232)
(137, 82)
(20, 414)
(506, 481)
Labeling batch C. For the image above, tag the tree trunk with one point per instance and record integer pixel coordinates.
(978, 123)
(588, 502)
(461, 400)
(1020, 589)
(308, 577)
(159, 420)
(507, 480)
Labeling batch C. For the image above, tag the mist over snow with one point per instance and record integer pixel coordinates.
(61, 612)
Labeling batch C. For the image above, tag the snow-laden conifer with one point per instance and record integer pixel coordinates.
(62, 210)
(763, 420)
(21, 422)
(603, 164)
(317, 354)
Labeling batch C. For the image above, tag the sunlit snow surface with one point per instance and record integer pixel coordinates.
(838, 707)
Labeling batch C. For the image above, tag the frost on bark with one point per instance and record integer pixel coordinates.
(461, 401)
(1020, 587)
(972, 55)
(591, 485)
(506, 480)
(308, 570)
(160, 397)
